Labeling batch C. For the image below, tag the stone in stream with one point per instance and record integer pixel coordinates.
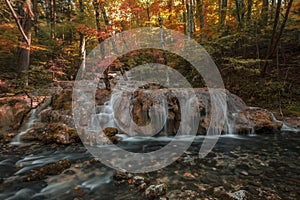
(154, 191)
(110, 133)
(49, 169)
(239, 195)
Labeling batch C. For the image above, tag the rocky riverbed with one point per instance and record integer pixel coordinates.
(256, 167)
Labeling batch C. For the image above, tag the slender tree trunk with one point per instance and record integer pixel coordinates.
(82, 51)
(189, 11)
(276, 38)
(70, 31)
(162, 37)
(100, 40)
(249, 9)
(200, 16)
(223, 12)
(112, 40)
(272, 10)
(184, 18)
(239, 13)
(264, 12)
(53, 18)
(148, 12)
(24, 26)
(35, 20)
(82, 38)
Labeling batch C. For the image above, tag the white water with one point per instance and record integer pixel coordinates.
(17, 139)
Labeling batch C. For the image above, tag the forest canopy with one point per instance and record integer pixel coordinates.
(255, 43)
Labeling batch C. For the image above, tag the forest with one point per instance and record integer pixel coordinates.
(255, 44)
(147, 124)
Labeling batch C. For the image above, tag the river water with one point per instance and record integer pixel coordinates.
(265, 166)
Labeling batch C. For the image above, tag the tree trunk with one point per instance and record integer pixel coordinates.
(239, 13)
(272, 10)
(264, 12)
(223, 12)
(184, 18)
(52, 18)
(82, 38)
(162, 37)
(201, 16)
(23, 58)
(100, 40)
(188, 8)
(35, 20)
(112, 40)
(249, 9)
(275, 39)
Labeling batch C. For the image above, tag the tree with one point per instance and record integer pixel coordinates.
(264, 12)
(275, 38)
(223, 12)
(24, 26)
(100, 40)
(52, 18)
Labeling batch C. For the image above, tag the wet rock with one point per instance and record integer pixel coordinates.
(241, 118)
(256, 120)
(13, 111)
(138, 180)
(154, 191)
(102, 96)
(62, 99)
(183, 194)
(49, 169)
(52, 133)
(122, 176)
(110, 133)
(239, 195)
(142, 186)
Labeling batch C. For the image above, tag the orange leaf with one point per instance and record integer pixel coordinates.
(187, 174)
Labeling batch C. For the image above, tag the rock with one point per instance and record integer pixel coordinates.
(239, 195)
(52, 133)
(13, 111)
(111, 134)
(147, 109)
(62, 99)
(102, 96)
(49, 169)
(110, 131)
(142, 186)
(154, 191)
(256, 120)
(138, 180)
(121, 175)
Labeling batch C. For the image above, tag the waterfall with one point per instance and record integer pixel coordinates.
(17, 139)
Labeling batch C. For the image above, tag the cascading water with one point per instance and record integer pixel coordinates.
(17, 139)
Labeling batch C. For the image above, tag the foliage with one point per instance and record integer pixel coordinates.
(239, 46)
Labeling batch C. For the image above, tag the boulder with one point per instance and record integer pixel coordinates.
(13, 111)
(148, 112)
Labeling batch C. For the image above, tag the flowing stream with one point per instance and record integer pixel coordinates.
(17, 139)
(265, 166)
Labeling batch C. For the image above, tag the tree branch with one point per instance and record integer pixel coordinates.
(18, 22)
